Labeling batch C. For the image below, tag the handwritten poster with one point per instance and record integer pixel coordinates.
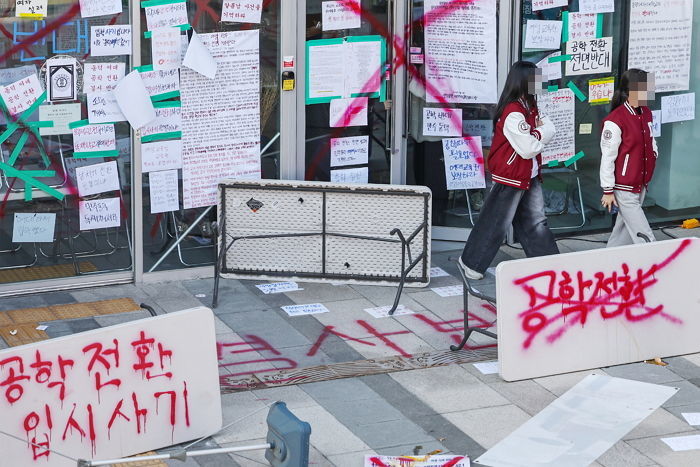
(601, 90)
(596, 6)
(460, 51)
(336, 15)
(99, 213)
(249, 11)
(97, 178)
(160, 82)
(161, 155)
(542, 34)
(61, 79)
(656, 123)
(61, 115)
(103, 108)
(91, 138)
(91, 8)
(442, 122)
(550, 71)
(102, 77)
(33, 227)
(464, 163)
(166, 48)
(660, 42)
(589, 56)
(356, 175)
(134, 100)
(678, 108)
(582, 26)
(362, 67)
(306, 309)
(538, 5)
(163, 15)
(353, 150)
(164, 191)
(559, 106)
(110, 40)
(221, 117)
(31, 8)
(481, 128)
(348, 112)
(21, 94)
(167, 123)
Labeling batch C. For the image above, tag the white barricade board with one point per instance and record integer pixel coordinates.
(591, 309)
(112, 392)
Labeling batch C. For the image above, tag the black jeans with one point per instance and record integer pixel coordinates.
(505, 205)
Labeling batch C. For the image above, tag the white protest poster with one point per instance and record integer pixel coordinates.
(596, 6)
(538, 5)
(442, 122)
(91, 8)
(249, 11)
(481, 128)
(167, 124)
(559, 107)
(61, 115)
(589, 56)
(678, 108)
(115, 391)
(166, 48)
(438, 460)
(336, 15)
(550, 71)
(582, 26)
(110, 40)
(97, 178)
(656, 123)
(99, 213)
(352, 150)
(460, 51)
(464, 163)
(356, 175)
(363, 73)
(134, 100)
(61, 79)
(348, 112)
(164, 191)
(660, 42)
(199, 58)
(542, 34)
(102, 77)
(159, 83)
(33, 227)
(221, 118)
(326, 65)
(161, 155)
(93, 138)
(162, 15)
(21, 94)
(35, 9)
(278, 287)
(103, 108)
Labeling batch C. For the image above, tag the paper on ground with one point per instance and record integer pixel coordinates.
(693, 418)
(383, 311)
(438, 272)
(308, 309)
(683, 443)
(134, 101)
(199, 59)
(41, 327)
(278, 287)
(487, 368)
(449, 291)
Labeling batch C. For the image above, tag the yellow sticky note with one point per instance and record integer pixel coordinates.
(585, 129)
(600, 90)
(288, 85)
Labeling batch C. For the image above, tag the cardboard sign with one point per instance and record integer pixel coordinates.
(102, 77)
(97, 178)
(99, 213)
(464, 163)
(337, 15)
(166, 15)
(92, 138)
(33, 227)
(21, 94)
(112, 392)
(110, 40)
(442, 122)
(164, 191)
(353, 150)
(589, 56)
(249, 11)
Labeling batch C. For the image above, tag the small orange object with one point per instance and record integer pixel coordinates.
(690, 224)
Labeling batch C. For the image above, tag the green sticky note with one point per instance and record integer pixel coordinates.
(573, 159)
(559, 58)
(552, 163)
(565, 26)
(599, 26)
(581, 96)
(78, 124)
(552, 87)
(150, 3)
(89, 154)
(161, 136)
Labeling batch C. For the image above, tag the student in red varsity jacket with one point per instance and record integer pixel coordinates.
(629, 155)
(514, 163)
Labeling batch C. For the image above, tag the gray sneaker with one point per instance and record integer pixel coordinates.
(468, 272)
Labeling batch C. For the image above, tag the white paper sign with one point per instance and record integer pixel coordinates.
(438, 272)
(353, 150)
(582, 26)
(91, 8)
(693, 418)
(589, 56)
(460, 51)
(134, 100)
(33, 227)
(464, 163)
(487, 368)
(678, 108)
(31, 8)
(559, 107)
(358, 175)
(438, 460)
(343, 14)
(21, 94)
(550, 71)
(442, 122)
(102, 77)
(110, 40)
(99, 213)
(97, 178)
(326, 71)
(198, 58)
(103, 108)
(166, 48)
(538, 5)
(482, 128)
(683, 443)
(308, 309)
(160, 82)
(596, 6)
(348, 112)
(656, 123)
(449, 291)
(164, 191)
(249, 11)
(540, 34)
(161, 155)
(61, 115)
(383, 311)
(168, 120)
(113, 392)
(61, 79)
(91, 138)
(166, 15)
(278, 287)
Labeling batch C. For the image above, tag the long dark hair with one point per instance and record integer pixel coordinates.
(516, 87)
(622, 93)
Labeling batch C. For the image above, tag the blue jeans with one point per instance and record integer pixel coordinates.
(505, 205)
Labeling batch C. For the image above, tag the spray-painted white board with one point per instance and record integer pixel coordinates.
(591, 309)
(111, 392)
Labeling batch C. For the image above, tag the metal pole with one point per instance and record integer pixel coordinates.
(180, 455)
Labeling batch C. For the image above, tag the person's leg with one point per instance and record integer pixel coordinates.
(491, 227)
(619, 235)
(630, 207)
(530, 223)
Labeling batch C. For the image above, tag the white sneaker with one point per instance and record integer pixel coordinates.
(468, 272)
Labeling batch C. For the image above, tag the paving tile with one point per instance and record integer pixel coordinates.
(408, 449)
(257, 457)
(82, 325)
(693, 358)
(384, 295)
(528, 395)
(680, 409)
(386, 434)
(559, 384)
(646, 372)
(403, 344)
(344, 316)
(292, 396)
(350, 389)
(237, 301)
(25, 301)
(659, 452)
(685, 367)
(660, 422)
(355, 416)
(220, 327)
(350, 459)
(120, 318)
(57, 298)
(433, 302)
(3, 344)
(624, 455)
(688, 394)
(247, 416)
(266, 324)
(487, 426)
(328, 435)
(322, 293)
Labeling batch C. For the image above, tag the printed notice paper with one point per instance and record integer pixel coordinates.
(326, 71)
(21, 94)
(99, 213)
(166, 15)
(166, 48)
(164, 191)
(343, 14)
(559, 107)
(589, 56)
(198, 58)
(353, 150)
(134, 101)
(31, 8)
(487, 368)
(596, 6)
(348, 112)
(92, 138)
(103, 108)
(541, 34)
(538, 5)
(33, 227)
(102, 77)
(110, 40)
(249, 11)
(438, 272)
(61, 115)
(442, 122)
(90, 8)
(358, 175)
(449, 291)
(97, 178)
(308, 309)
(161, 155)
(678, 108)
(464, 163)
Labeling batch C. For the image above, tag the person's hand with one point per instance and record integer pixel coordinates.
(608, 201)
